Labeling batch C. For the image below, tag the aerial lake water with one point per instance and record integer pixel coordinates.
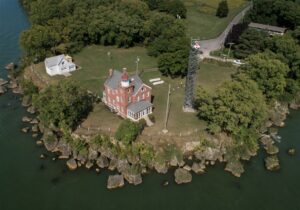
(29, 183)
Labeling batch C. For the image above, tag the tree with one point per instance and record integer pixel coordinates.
(128, 131)
(276, 12)
(269, 74)
(250, 42)
(173, 7)
(223, 9)
(237, 107)
(296, 33)
(29, 88)
(173, 64)
(288, 51)
(63, 105)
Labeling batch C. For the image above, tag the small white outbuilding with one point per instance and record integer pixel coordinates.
(59, 65)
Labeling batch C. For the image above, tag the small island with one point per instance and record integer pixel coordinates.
(128, 91)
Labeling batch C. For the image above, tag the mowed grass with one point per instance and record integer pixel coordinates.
(213, 74)
(178, 121)
(201, 17)
(97, 60)
(94, 64)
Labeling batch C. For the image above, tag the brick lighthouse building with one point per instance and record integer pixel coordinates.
(127, 95)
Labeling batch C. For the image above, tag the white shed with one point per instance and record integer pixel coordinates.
(59, 65)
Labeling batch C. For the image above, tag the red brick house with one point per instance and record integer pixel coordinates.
(127, 95)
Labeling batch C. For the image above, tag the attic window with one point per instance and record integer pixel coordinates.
(143, 89)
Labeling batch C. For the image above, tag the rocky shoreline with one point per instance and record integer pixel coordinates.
(131, 169)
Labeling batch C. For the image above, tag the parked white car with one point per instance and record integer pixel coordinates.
(238, 62)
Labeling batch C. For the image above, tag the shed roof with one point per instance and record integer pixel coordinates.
(139, 106)
(54, 61)
(267, 27)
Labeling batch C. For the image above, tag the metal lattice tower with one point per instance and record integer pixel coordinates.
(188, 105)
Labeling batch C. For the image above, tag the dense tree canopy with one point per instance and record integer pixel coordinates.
(63, 105)
(270, 74)
(288, 51)
(276, 12)
(251, 41)
(236, 106)
(174, 64)
(173, 7)
(67, 26)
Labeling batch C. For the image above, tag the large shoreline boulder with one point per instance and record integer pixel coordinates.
(182, 176)
(102, 161)
(272, 163)
(115, 181)
(72, 164)
(235, 167)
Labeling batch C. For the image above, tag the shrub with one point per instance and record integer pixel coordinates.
(222, 10)
(128, 131)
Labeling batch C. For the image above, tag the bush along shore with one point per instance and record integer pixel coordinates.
(131, 158)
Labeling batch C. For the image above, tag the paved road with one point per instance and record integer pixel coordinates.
(210, 45)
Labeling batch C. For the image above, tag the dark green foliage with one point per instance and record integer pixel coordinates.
(173, 64)
(128, 131)
(236, 105)
(269, 74)
(173, 7)
(250, 42)
(67, 26)
(296, 33)
(29, 88)
(223, 9)
(238, 108)
(288, 51)
(276, 12)
(63, 105)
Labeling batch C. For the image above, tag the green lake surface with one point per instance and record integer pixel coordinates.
(29, 183)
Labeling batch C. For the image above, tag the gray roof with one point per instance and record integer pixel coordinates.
(54, 61)
(267, 27)
(114, 81)
(139, 106)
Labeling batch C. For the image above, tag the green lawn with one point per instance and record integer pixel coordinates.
(202, 21)
(95, 63)
(212, 74)
(178, 121)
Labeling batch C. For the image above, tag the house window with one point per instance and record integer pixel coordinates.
(129, 99)
(148, 94)
(143, 96)
(138, 98)
(118, 99)
(143, 89)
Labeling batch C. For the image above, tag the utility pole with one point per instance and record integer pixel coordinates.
(137, 65)
(165, 130)
(230, 45)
